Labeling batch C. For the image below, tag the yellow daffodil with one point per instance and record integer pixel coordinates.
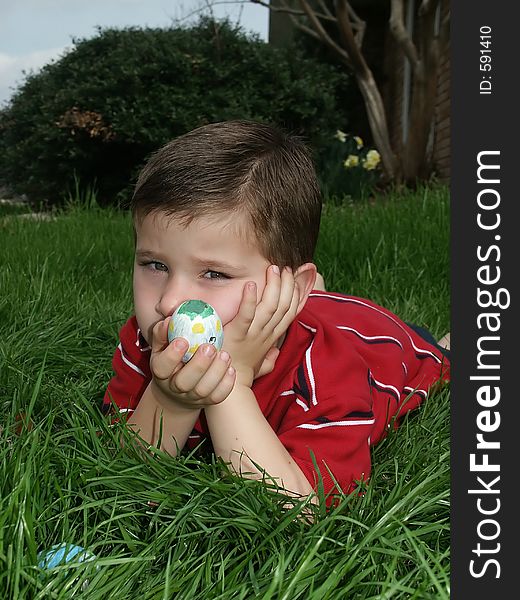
(372, 159)
(359, 142)
(341, 135)
(351, 161)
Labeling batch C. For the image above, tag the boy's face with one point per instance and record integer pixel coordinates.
(207, 260)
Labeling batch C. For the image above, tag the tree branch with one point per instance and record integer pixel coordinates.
(325, 8)
(348, 37)
(305, 29)
(324, 36)
(285, 8)
(357, 24)
(400, 34)
(426, 6)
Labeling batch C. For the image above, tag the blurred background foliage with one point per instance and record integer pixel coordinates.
(92, 117)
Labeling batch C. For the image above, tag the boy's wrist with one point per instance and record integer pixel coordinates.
(240, 393)
(168, 403)
(245, 376)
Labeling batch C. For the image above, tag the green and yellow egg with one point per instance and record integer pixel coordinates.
(197, 322)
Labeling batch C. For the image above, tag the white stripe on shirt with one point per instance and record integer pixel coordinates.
(385, 385)
(299, 401)
(356, 301)
(307, 327)
(336, 424)
(416, 391)
(302, 404)
(308, 363)
(130, 364)
(371, 337)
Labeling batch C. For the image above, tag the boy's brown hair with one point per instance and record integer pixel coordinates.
(238, 167)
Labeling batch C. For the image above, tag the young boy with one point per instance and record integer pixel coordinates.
(229, 214)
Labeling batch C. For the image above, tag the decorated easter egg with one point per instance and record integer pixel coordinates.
(197, 322)
(61, 554)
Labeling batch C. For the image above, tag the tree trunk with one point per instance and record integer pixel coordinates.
(424, 57)
(378, 125)
(415, 159)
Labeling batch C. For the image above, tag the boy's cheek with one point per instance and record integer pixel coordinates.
(146, 316)
(231, 306)
(226, 313)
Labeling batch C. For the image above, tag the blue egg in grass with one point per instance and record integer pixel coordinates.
(62, 554)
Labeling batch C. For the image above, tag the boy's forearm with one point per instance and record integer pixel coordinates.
(157, 418)
(242, 436)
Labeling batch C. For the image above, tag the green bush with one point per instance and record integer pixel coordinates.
(94, 115)
(347, 168)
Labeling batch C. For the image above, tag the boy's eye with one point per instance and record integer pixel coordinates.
(215, 275)
(155, 265)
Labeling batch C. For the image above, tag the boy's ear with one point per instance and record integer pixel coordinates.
(305, 277)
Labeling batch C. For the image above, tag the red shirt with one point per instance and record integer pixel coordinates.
(347, 367)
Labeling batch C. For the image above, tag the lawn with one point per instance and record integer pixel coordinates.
(184, 528)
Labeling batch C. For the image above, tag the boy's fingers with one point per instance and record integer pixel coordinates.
(269, 362)
(270, 297)
(189, 376)
(290, 314)
(225, 387)
(160, 335)
(286, 292)
(212, 378)
(246, 311)
(165, 364)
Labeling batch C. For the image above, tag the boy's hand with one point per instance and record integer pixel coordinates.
(269, 362)
(250, 338)
(205, 380)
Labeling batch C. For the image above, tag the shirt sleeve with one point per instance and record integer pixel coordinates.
(130, 365)
(425, 368)
(329, 437)
(333, 453)
(363, 369)
(349, 406)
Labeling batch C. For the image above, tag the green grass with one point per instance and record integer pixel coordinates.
(65, 291)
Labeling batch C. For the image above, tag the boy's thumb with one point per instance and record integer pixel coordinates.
(269, 362)
(160, 335)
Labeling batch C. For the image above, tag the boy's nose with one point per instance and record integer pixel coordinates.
(174, 294)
